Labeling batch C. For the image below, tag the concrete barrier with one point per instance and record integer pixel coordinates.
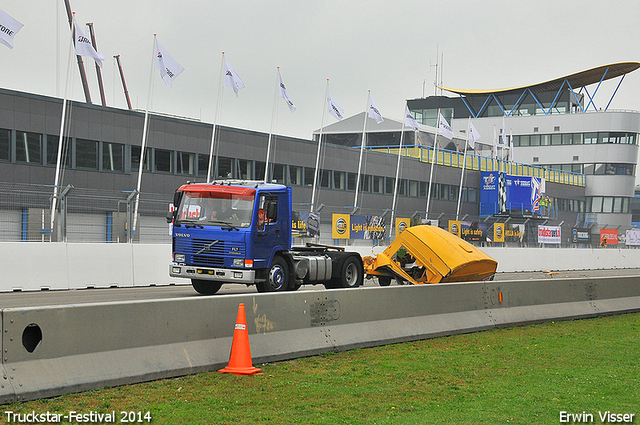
(48, 351)
(36, 266)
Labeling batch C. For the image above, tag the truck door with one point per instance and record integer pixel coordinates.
(270, 235)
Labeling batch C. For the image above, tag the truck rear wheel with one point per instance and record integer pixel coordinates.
(205, 287)
(278, 277)
(352, 274)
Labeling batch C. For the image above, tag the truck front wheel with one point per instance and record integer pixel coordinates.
(278, 277)
(205, 287)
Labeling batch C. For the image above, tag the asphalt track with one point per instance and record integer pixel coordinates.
(84, 296)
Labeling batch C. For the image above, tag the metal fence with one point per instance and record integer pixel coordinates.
(82, 215)
(92, 215)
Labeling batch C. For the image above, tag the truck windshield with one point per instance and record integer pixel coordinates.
(209, 208)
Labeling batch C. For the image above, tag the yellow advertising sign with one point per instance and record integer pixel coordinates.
(498, 232)
(401, 224)
(454, 227)
(340, 224)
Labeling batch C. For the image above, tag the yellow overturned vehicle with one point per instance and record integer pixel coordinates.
(429, 254)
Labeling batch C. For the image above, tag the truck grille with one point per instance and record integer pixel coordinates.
(205, 254)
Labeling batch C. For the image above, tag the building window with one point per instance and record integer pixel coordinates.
(86, 154)
(245, 168)
(590, 138)
(5, 144)
(340, 180)
(135, 158)
(186, 163)
(52, 151)
(413, 188)
(278, 173)
(351, 181)
(309, 175)
(203, 165)
(28, 147)
(164, 161)
(113, 157)
(295, 175)
(378, 184)
(325, 179)
(225, 168)
(390, 185)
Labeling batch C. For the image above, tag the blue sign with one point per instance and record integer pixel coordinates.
(489, 194)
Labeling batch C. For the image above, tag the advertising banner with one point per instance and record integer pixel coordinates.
(472, 231)
(514, 232)
(305, 224)
(345, 226)
(454, 227)
(550, 234)
(488, 193)
(581, 235)
(521, 193)
(401, 224)
(498, 232)
(633, 237)
(340, 224)
(608, 237)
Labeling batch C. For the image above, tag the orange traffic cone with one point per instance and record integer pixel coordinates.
(240, 357)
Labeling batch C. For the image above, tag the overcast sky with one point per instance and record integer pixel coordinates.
(388, 47)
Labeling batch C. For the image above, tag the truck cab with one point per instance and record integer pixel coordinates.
(240, 232)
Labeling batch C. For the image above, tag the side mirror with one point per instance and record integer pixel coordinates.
(169, 217)
(272, 212)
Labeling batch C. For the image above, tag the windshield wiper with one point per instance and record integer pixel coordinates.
(190, 224)
(225, 225)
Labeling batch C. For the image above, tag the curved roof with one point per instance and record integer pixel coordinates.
(580, 79)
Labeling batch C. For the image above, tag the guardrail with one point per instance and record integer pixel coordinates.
(49, 351)
(484, 163)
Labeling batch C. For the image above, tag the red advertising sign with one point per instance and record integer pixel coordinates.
(608, 237)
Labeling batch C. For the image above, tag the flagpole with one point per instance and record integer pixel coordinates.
(274, 115)
(315, 175)
(215, 120)
(435, 140)
(144, 140)
(61, 138)
(464, 166)
(364, 130)
(395, 189)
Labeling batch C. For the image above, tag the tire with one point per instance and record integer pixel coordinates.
(205, 287)
(384, 280)
(278, 277)
(352, 274)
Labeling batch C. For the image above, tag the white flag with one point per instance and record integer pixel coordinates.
(511, 146)
(85, 48)
(373, 111)
(495, 143)
(503, 135)
(334, 109)
(284, 95)
(444, 128)
(410, 121)
(473, 135)
(232, 79)
(169, 68)
(9, 27)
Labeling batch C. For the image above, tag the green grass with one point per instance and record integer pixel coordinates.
(521, 375)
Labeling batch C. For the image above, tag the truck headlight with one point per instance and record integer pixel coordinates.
(179, 258)
(238, 262)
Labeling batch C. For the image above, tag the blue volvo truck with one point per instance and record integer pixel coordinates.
(240, 232)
